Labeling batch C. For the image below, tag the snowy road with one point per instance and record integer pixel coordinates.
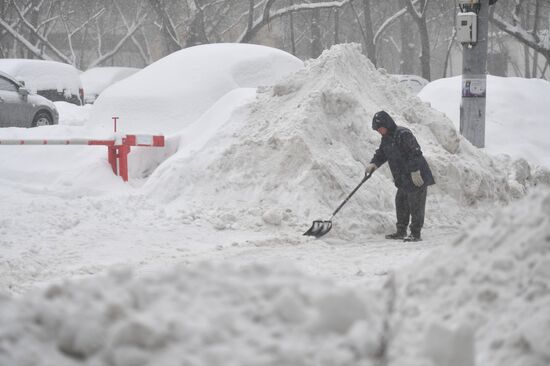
(46, 238)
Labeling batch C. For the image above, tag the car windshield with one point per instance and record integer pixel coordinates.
(7, 85)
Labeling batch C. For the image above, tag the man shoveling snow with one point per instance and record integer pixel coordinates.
(410, 171)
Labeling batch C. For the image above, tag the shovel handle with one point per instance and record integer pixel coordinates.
(367, 176)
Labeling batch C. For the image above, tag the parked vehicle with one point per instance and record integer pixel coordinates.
(412, 82)
(97, 79)
(172, 93)
(53, 80)
(20, 108)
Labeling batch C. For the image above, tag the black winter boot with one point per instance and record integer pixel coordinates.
(397, 235)
(413, 237)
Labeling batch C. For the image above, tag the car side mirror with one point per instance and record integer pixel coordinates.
(23, 91)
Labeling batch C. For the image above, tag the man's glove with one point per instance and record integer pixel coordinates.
(370, 169)
(417, 178)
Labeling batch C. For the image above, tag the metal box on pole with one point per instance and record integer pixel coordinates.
(466, 27)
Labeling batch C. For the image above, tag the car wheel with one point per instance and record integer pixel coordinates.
(42, 119)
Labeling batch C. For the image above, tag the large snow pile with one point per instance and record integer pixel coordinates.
(516, 117)
(43, 75)
(176, 90)
(486, 297)
(301, 147)
(204, 315)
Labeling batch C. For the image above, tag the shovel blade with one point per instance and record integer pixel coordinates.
(319, 228)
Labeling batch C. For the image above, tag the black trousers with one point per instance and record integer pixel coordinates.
(410, 206)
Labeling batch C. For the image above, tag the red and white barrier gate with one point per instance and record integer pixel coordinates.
(118, 147)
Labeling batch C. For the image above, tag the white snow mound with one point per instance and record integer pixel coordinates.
(173, 92)
(515, 108)
(205, 315)
(302, 146)
(485, 298)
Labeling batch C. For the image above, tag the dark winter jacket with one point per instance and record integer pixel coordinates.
(403, 154)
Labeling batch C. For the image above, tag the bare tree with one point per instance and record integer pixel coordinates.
(536, 38)
(267, 15)
(39, 31)
(419, 16)
(197, 32)
(168, 30)
(366, 29)
(369, 32)
(407, 42)
(316, 44)
(97, 32)
(143, 49)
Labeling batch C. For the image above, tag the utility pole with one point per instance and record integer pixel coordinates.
(473, 29)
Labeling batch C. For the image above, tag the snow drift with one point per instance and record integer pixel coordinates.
(206, 315)
(483, 299)
(506, 97)
(173, 92)
(302, 146)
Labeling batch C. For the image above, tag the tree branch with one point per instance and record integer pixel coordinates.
(145, 57)
(19, 38)
(42, 39)
(111, 53)
(521, 35)
(267, 17)
(390, 21)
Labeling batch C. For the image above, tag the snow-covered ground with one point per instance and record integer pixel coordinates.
(199, 258)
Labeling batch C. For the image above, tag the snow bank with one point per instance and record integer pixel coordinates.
(516, 117)
(68, 171)
(71, 114)
(484, 298)
(176, 90)
(302, 147)
(204, 315)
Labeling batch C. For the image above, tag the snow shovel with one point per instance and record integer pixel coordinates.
(321, 227)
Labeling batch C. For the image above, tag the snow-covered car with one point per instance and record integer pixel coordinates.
(53, 80)
(173, 92)
(97, 79)
(414, 83)
(20, 108)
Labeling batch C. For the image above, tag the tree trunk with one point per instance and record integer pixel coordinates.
(420, 19)
(34, 21)
(535, 30)
(369, 33)
(336, 25)
(197, 34)
(407, 43)
(250, 14)
(169, 36)
(425, 56)
(292, 36)
(316, 45)
(448, 54)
